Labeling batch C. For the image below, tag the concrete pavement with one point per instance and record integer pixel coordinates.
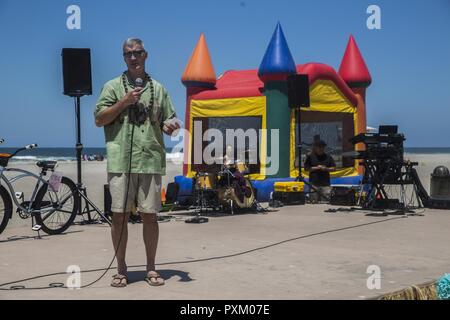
(316, 262)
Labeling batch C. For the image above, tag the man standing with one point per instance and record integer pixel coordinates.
(319, 165)
(134, 110)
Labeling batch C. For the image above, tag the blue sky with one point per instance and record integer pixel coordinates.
(409, 58)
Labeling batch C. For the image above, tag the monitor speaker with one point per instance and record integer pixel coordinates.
(77, 72)
(298, 90)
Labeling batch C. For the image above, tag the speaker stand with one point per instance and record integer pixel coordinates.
(88, 206)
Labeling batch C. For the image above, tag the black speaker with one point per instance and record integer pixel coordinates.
(172, 192)
(77, 72)
(298, 90)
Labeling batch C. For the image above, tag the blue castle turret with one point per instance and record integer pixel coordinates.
(277, 62)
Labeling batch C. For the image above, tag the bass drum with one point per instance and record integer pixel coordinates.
(227, 197)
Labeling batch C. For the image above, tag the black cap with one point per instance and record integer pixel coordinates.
(319, 143)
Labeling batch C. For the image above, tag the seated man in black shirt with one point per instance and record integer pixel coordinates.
(319, 164)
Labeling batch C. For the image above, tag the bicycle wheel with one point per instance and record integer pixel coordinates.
(5, 208)
(64, 204)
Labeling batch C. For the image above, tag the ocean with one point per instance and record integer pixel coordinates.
(68, 154)
(420, 150)
(60, 154)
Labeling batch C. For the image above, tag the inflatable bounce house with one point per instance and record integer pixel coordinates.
(258, 99)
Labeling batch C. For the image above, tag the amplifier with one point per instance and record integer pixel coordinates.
(289, 198)
(343, 196)
(440, 203)
(172, 192)
(389, 204)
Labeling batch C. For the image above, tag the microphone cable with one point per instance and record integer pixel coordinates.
(138, 83)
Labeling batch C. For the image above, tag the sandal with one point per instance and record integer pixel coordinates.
(119, 281)
(154, 279)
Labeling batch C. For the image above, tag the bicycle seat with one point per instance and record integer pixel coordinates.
(4, 158)
(47, 165)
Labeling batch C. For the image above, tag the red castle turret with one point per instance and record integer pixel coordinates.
(353, 68)
(354, 72)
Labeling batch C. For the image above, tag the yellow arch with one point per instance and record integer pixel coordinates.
(235, 107)
(324, 97)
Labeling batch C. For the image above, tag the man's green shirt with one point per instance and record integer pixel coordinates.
(148, 154)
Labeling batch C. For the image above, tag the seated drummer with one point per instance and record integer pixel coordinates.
(228, 158)
(238, 182)
(319, 165)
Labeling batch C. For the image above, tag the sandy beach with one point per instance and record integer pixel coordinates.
(94, 175)
(332, 264)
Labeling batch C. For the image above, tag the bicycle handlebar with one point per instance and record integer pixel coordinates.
(27, 147)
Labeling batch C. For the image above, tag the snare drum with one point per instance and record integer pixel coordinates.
(205, 181)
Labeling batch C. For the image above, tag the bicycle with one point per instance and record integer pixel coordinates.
(53, 204)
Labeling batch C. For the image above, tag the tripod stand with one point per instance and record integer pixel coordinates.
(381, 172)
(81, 194)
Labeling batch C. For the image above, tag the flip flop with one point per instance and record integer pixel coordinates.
(118, 281)
(154, 279)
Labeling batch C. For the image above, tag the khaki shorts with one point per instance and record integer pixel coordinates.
(144, 192)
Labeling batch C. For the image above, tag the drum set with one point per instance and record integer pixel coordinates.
(226, 190)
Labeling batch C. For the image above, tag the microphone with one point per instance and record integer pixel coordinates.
(139, 82)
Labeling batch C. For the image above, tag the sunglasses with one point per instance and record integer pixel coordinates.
(137, 53)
